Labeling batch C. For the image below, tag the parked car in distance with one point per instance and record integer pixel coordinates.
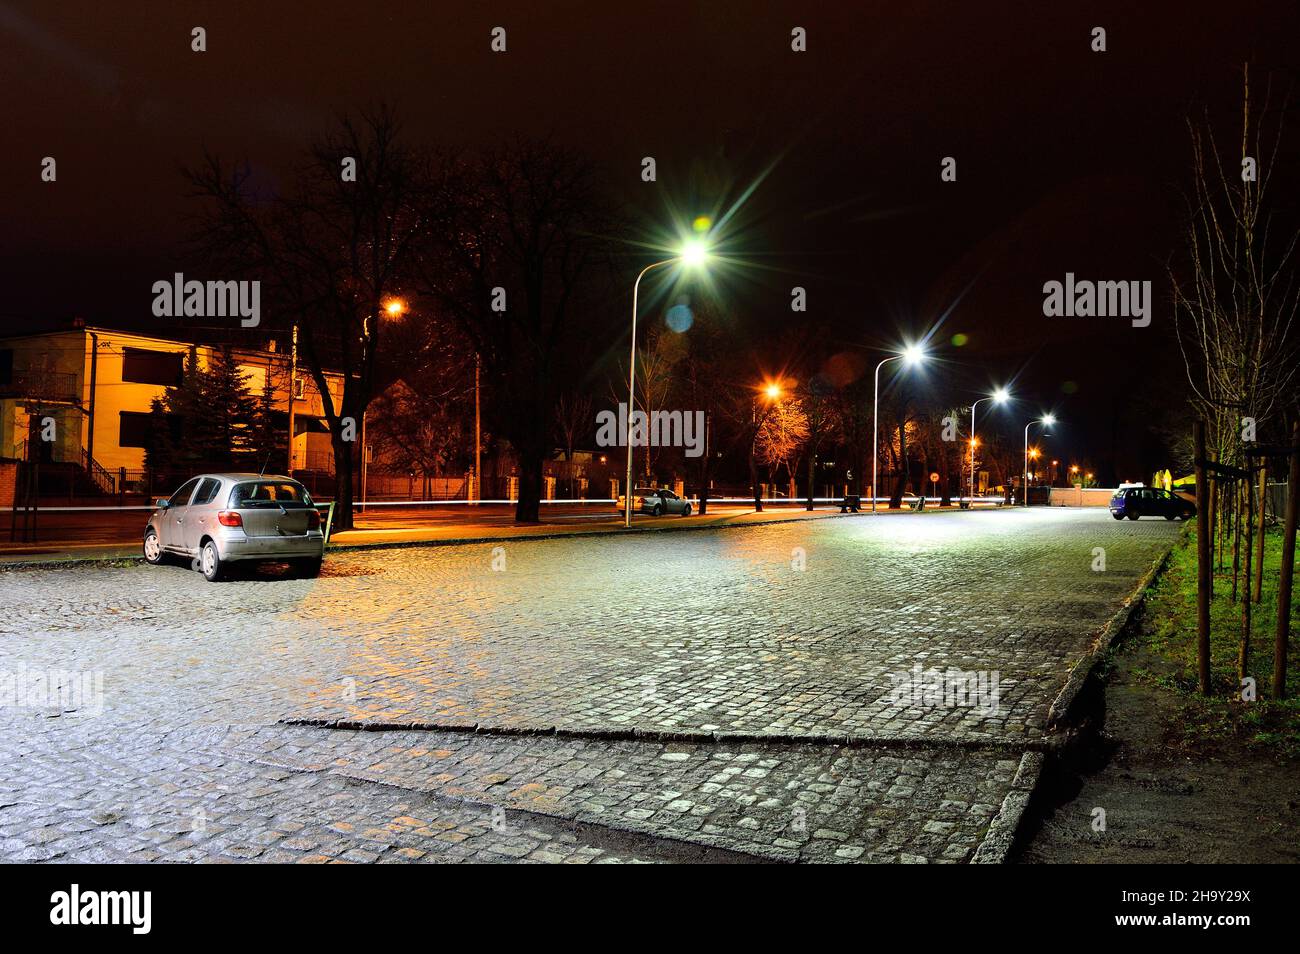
(655, 502)
(221, 519)
(1134, 502)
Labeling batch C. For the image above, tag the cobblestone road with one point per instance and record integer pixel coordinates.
(757, 668)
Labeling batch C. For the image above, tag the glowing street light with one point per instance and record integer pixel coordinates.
(694, 252)
(771, 392)
(911, 356)
(395, 308)
(1047, 420)
(1000, 396)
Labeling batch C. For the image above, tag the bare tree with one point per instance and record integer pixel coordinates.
(573, 419)
(1235, 308)
(515, 236)
(330, 251)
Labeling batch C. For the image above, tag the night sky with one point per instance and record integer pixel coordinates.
(1068, 160)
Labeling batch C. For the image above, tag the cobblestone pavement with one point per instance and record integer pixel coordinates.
(783, 631)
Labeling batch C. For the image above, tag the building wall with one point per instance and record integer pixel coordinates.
(113, 395)
(61, 353)
(1080, 497)
(70, 352)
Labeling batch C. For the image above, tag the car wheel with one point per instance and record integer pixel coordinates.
(210, 563)
(686, 511)
(1118, 516)
(308, 569)
(1134, 515)
(658, 510)
(1171, 516)
(153, 551)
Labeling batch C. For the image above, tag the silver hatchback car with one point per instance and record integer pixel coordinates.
(219, 519)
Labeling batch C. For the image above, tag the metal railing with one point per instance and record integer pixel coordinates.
(58, 386)
(100, 476)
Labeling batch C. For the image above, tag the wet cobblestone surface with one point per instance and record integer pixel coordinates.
(187, 755)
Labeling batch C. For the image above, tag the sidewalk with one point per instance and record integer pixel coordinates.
(15, 555)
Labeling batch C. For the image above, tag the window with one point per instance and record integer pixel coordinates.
(182, 496)
(299, 387)
(152, 367)
(207, 490)
(269, 493)
(134, 429)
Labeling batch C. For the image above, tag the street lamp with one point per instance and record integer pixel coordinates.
(1000, 396)
(693, 252)
(911, 356)
(1047, 420)
(772, 392)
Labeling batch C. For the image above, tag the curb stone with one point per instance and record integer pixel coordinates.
(996, 846)
(687, 736)
(1058, 713)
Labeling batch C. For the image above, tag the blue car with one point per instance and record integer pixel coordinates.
(1134, 502)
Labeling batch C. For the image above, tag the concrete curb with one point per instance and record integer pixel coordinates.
(695, 737)
(1000, 839)
(1058, 714)
(1001, 836)
(631, 826)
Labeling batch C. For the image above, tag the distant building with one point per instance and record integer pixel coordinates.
(98, 385)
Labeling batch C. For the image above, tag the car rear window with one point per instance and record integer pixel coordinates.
(269, 493)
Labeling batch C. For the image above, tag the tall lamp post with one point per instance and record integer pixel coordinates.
(910, 356)
(1047, 420)
(692, 253)
(772, 392)
(1001, 395)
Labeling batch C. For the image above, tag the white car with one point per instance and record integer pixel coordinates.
(655, 502)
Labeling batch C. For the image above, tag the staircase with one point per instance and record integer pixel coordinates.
(83, 478)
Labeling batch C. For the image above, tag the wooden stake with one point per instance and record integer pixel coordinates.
(1259, 533)
(1243, 649)
(1234, 528)
(1287, 575)
(1203, 574)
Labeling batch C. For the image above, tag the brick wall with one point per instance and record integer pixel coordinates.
(8, 482)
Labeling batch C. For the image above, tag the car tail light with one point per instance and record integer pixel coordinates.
(313, 519)
(230, 518)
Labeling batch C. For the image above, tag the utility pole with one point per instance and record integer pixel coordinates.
(293, 386)
(478, 440)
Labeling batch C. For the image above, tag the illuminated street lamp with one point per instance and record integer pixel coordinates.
(1047, 420)
(1000, 396)
(693, 253)
(772, 393)
(911, 356)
